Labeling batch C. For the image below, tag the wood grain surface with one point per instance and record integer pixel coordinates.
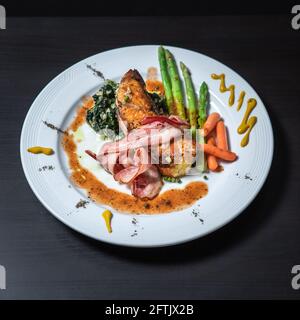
(250, 258)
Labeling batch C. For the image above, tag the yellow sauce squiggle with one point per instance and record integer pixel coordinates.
(223, 87)
(247, 123)
(240, 100)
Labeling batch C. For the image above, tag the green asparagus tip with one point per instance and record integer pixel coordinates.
(204, 85)
(184, 68)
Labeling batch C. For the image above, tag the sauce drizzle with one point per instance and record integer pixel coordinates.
(247, 123)
(223, 87)
(36, 150)
(107, 216)
(240, 100)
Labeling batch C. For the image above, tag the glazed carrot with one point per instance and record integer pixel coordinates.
(219, 153)
(212, 162)
(211, 122)
(221, 136)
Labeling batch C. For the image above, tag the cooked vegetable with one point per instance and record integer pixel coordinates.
(202, 105)
(211, 123)
(219, 153)
(212, 162)
(166, 79)
(191, 97)
(176, 85)
(160, 103)
(222, 142)
(172, 179)
(103, 116)
(203, 102)
(201, 160)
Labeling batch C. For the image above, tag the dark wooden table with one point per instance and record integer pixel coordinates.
(251, 257)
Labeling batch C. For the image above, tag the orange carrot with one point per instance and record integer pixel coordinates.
(212, 162)
(219, 153)
(221, 136)
(211, 122)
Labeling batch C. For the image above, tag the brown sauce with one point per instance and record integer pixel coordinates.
(168, 201)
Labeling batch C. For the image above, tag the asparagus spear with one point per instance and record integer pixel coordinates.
(176, 85)
(203, 102)
(165, 78)
(191, 97)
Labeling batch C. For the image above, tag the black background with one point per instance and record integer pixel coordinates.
(145, 8)
(251, 257)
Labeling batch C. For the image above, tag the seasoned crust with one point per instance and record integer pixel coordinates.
(133, 101)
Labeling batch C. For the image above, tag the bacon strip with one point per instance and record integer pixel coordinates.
(128, 159)
(172, 120)
(147, 184)
(148, 135)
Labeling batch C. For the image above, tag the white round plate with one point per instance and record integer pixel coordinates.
(229, 192)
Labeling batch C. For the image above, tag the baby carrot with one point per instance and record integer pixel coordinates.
(211, 122)
(219, 153)
(212, 162)
(221, 136)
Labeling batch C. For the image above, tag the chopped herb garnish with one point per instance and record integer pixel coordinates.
(81, 204)
(134, 233)
(134, 221)
(196, 214)
(96, 72)
(53, 127)
(44, 168)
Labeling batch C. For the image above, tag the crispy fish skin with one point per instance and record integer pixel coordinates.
(133, 101)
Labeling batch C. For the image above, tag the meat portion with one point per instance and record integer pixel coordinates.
(148, 184)
(153, 144)
(153, 134)
(133, 168)
(133, 101)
